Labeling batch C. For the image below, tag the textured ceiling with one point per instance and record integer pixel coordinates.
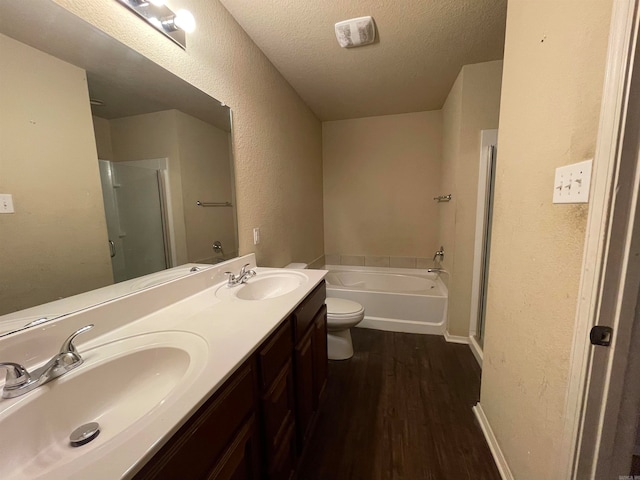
(421, 47)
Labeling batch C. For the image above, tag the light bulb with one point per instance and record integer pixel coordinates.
(155, 22)
(185, 21)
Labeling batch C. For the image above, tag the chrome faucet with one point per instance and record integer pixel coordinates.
(19, 381)
(242, 277)
(436, 270)
(439, 255)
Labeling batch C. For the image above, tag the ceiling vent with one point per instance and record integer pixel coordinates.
(356, 32)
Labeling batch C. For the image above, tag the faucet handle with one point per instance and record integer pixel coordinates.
(243, 270)
(16, 374)
(68, 346)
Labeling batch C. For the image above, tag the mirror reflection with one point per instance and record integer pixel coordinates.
(105, 156)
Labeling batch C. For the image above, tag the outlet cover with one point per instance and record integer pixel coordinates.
(572, 183)
(6, 203)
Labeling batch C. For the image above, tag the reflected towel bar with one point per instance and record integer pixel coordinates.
(213, 204)
(443, 198)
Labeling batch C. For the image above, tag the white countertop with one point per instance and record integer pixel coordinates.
(232, 329)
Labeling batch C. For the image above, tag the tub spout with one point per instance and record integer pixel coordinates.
(436, 270)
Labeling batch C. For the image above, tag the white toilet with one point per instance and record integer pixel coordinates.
(342, 314)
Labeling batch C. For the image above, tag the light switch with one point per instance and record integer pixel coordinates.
(256, 236)
(572, 183)
(6, 203)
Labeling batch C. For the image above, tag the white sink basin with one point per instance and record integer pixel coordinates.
(121, 385)
(264, 286)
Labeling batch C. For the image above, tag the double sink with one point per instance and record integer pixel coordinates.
(125, 385)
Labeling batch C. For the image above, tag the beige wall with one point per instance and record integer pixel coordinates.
(47, 161)
(102, 132)
(472, 105)
(552, 84)
(206, 176)
(277, 139)
(380, 177)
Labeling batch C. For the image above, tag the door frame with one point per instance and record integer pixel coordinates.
(609, 281)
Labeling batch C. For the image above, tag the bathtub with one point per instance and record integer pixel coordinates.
(394, 299)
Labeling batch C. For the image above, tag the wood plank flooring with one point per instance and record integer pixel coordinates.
(400, 409)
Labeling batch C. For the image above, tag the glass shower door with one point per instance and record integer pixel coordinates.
(134, 211)
(486, 242)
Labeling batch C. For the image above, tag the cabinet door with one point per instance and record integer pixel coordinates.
(283, 467)
(320, 358)
(304, 386)
(241, 461)
(197, 447)
(278, 412)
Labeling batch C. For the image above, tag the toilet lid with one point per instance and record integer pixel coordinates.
(340, 306)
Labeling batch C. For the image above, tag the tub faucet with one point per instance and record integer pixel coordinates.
(439, 255)
(436, 270)
(19, 381)
(242, 277)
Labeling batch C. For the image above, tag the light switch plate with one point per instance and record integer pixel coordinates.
(6, 203)
(256, 236)
(572, 183)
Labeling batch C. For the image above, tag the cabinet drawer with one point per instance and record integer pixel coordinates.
(275, 353)
(278, 410)
(195, 449)
(305, 313)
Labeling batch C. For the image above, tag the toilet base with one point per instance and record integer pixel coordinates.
(339, 345)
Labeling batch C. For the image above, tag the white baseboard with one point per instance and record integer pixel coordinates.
(476, 350)
(455, 338)
(402, 326)
(498, 457)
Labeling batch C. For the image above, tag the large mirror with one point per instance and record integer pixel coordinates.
(116, 168)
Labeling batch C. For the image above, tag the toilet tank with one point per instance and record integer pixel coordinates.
(299, 266)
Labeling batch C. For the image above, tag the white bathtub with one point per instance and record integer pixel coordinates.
(394, 299)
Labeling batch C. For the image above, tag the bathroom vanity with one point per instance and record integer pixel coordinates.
(187, 379)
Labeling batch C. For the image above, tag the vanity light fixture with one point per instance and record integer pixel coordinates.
(172, 25)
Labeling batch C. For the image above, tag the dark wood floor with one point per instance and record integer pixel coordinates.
(400, 409)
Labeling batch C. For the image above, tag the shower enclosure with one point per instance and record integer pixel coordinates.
(135, 208)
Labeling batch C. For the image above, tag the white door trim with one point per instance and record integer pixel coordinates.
(619, 57)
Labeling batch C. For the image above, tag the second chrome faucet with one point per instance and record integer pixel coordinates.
(244, 275)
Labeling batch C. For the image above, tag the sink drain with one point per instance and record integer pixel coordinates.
(84, 434)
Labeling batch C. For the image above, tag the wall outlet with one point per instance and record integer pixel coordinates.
(256, 236)
(572, 183)
(6, 203)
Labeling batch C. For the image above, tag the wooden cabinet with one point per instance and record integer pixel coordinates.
(256, 425)
(310, 360)
(217, 435)
(320, 367)
(277, 401)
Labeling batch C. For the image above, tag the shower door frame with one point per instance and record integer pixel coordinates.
(486, 172)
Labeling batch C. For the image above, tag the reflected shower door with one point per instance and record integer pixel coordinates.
(134, 211)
